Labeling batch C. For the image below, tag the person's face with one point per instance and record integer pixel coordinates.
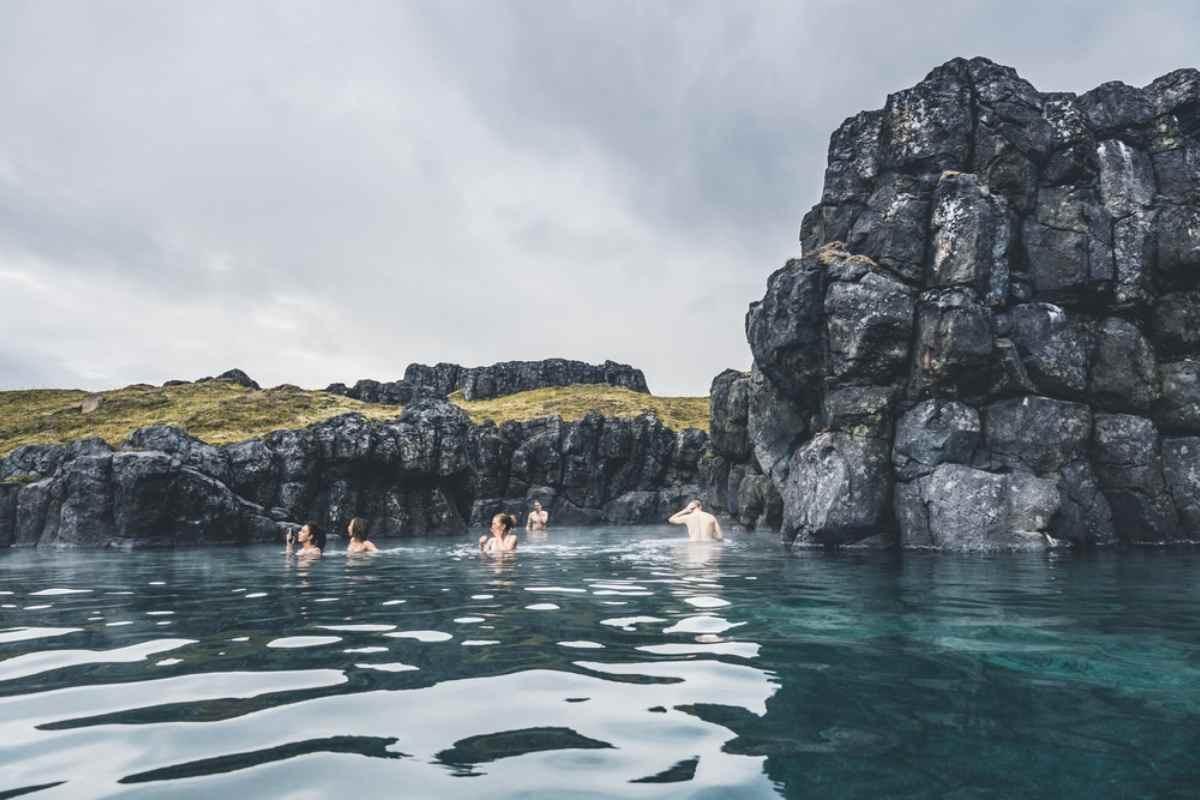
(497, 528)
(537, 506)
(304, 536)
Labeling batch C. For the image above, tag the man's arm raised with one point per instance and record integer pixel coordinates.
(678, 517)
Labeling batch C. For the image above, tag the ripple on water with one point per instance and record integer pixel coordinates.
(392, 602)
(421, 636)
(704, 623)
(36, 663)
(556, 589)
(738, 649)
(479, 642)
(468, 620)
(542, 607)
(366, 650)
(582, 644)
(39, 607)
(292, 642)
(56, 592)
(394, 666)
(364, 627)
(629, 622)
(482, 596)
(706, 601)
(254, 595)
(25, 634)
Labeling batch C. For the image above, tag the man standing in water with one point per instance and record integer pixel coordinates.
(538, 519)
(702, 526)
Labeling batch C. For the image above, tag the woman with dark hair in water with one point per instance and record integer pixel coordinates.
(359, 543)
(310, 538)
(502, 540)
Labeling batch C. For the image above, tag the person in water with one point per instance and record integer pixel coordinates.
(359, 543)
(502, 540)
(310, 538)
(538, 518)
(701, 525)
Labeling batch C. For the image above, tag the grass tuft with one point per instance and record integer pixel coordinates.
(220, 412)
(573, 402)
(217, 412)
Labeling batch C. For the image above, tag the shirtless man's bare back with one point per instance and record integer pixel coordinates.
(538, 518)
(702, 526)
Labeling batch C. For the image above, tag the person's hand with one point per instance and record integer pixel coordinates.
(291, 536)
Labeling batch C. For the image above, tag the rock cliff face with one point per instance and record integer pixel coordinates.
(497, 380)
(428, 471)
(991, 339)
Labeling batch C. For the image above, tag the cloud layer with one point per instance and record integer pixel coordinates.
(317, 192)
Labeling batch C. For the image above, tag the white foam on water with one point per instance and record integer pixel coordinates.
(366, 650)
(604, 592)
(8, 605)
(394, 666)
(482, 596)
(582, 644)
(255, 594)
(365, 627)
(479, 642)
(38, 607)
(421, 636)
(56, 592)
(706, 601)
(25, 634)
(240, 589)
(164, 622)
(159, 613)
(168, 662)
(327, 599)
(239, 639)
(5, 592)
(157, 583)
(468, 620)
(559, 589)
(542, 607)
(705, 623)
(118, 624)
(118, 593)
(392, 602)
(615, 602)
(293, 642)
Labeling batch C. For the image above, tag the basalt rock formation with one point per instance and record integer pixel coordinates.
(991, 338)
(428, 471)
(497, 380)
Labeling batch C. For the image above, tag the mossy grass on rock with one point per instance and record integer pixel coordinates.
(575, 402)
(218, 412)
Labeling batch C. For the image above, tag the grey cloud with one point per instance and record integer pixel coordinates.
(316, 192)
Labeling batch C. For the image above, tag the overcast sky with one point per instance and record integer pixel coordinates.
(327, 191)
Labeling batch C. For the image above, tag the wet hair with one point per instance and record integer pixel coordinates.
(506, 519)
(358, 529)
(696, 500)
(318, 535)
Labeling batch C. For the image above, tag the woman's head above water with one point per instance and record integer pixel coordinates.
(502, 524)
(311, 534)
(357, 529)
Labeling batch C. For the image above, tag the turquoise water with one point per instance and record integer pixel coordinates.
(615, 662)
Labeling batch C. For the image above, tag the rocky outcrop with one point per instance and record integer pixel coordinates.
(428, 471)
(497, 380)
(989, 341)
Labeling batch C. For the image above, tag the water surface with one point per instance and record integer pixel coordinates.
(615, 662)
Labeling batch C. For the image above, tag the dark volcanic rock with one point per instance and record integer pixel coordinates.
(729, 399)
(428, 471)
(480, 383)
(1001, 268)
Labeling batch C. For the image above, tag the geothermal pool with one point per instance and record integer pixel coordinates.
(608, 662)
